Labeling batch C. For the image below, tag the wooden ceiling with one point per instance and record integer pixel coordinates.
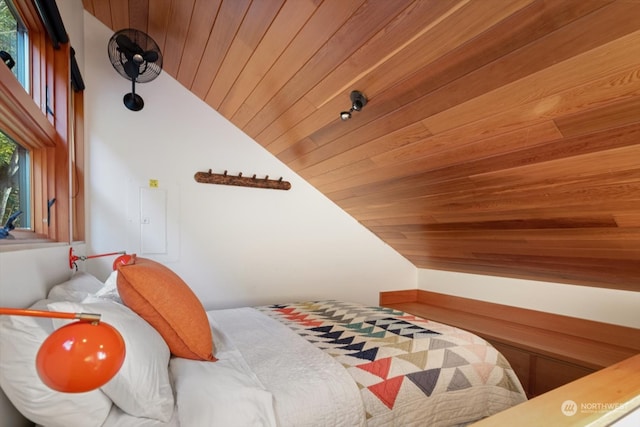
(501, 137)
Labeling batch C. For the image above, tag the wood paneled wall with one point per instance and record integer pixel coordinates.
(500, 137)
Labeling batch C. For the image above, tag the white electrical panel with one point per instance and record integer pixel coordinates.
(153, 221)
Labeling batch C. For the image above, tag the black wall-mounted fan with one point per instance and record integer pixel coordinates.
(137, 57)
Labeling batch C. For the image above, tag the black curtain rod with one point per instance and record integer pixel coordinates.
(76, 77)
(50, 16)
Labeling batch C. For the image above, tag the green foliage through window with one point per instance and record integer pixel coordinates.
(13, 181)
(13, 40)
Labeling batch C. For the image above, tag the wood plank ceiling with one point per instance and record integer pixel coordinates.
(501, 137)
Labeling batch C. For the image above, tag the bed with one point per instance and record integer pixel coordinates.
(317, 363)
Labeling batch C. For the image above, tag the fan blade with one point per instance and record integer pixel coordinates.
(128, 47)
(132, 69)
(150, 56)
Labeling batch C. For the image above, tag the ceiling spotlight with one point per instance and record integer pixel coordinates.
(345, 115)
(358, 100)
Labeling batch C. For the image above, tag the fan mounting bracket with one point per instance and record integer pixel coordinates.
(133, 101)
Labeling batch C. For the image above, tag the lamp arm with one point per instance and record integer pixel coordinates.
(101, 255)
(87, 317)
(73, 258)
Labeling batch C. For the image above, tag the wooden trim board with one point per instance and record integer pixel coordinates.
(598, 399)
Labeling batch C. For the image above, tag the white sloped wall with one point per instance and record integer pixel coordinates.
(232, 245)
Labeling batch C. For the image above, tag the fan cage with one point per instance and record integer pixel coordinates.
(148, 70)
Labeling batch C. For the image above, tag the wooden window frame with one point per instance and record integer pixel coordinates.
(48, 122)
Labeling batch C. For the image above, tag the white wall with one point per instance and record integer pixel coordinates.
(27, 275)
(232, 245)
(599, 304)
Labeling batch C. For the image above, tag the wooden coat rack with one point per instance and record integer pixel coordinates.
(244, 181)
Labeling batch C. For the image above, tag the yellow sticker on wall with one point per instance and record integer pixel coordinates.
(153, 183)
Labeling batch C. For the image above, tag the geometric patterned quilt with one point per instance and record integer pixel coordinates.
(409, 370)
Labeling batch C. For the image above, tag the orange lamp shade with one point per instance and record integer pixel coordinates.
(122, 260)
(80, 356)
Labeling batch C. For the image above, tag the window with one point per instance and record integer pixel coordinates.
(14, 158)
(14, 183)
(40, 142)
(14, 42)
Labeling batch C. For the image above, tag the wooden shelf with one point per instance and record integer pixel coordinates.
(545, 350)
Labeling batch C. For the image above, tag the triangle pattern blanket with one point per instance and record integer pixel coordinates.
(406, 366)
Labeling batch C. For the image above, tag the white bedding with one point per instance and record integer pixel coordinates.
(225, 393)
(275, 359)
(117, 418)
(272, 385)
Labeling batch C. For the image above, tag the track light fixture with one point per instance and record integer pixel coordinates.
(358, 100)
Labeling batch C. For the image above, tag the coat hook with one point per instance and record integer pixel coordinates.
(250, 180)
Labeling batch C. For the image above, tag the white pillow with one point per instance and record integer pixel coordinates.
(77, 288)
(20, 340)
(142, 387)
(110, 288)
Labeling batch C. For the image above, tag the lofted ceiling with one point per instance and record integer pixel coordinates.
(501, 137)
